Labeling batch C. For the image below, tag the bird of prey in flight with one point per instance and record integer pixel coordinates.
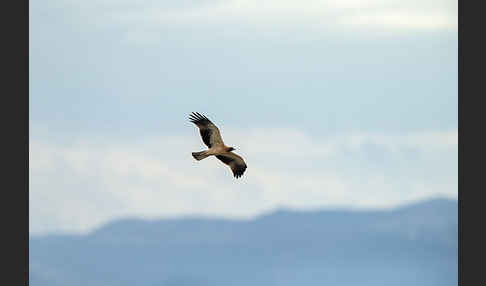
(212, 138)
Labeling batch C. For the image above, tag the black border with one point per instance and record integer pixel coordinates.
(15, 160)
(460, 258)
(470, 123)
(460, 198)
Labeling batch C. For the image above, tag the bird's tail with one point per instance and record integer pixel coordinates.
(200, 155)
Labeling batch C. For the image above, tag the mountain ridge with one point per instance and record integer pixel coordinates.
(304, 247)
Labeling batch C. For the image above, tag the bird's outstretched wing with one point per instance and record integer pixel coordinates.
(209, 132)
(234, 161)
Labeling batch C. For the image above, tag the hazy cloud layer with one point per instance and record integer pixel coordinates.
(268, 14)
(77, 186)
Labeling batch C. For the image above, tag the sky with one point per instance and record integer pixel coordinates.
(333, 104)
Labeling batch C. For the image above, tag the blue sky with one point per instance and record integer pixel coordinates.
(332, 103)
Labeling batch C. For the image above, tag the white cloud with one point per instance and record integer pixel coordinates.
(148, 17)
(401, 20)
(79, 185)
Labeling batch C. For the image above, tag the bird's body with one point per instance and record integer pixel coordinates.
(212, 138)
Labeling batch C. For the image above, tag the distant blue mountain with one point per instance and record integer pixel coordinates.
(412, 245)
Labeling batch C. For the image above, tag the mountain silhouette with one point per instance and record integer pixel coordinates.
(415, 244)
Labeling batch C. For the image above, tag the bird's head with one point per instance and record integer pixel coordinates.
(231, 149)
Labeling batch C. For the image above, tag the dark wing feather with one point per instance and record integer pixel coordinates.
(209, 132)
(206, 135)
(235, 162)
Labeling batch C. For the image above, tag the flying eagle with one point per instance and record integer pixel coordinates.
(212, 138)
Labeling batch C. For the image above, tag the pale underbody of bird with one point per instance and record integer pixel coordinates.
(212, 138)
